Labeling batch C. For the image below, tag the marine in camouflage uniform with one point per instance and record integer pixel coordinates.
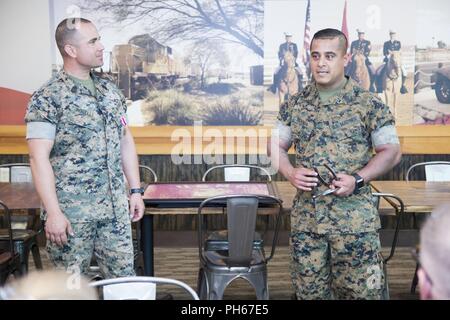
(89, 180)
(334, 240)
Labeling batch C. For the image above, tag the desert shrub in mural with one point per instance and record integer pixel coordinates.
(168, 108)
(171, 107)
(233, 110)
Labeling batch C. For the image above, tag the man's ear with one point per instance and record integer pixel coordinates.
(70, 50)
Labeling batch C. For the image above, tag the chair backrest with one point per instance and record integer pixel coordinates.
(146, 174)
(241, 222)
(434, 170)
(15, 172)
(137, 288)
(5, 225)
(237, 172)
(399, 206)
(149, 175)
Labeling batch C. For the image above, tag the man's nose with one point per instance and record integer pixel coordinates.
(321, 61)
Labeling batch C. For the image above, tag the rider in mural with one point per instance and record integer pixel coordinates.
(394, 45)
(363, 46)
(288, 45)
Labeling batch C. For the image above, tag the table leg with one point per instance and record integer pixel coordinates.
(147, 244)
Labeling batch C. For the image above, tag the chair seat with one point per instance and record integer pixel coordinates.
(4, 257)
(18, 235)
(220, 258)
(218, 241)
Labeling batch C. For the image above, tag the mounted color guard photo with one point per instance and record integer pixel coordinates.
(381, 45)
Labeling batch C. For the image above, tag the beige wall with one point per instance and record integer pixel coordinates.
(25, 55)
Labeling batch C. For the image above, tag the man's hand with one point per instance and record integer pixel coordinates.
(57, 227)
(136, 207)
(345, 185)
(302, 178)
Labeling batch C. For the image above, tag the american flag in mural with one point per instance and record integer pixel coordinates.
(307, 40)
(344, 28)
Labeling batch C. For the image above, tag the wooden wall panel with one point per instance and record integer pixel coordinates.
(252, 140)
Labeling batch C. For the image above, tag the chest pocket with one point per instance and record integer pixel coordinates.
(348, 134)
(80, 129)
(302, 125)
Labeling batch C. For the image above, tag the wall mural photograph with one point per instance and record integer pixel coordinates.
(381, 44)
(181, 61)
(432, 68)
(233, 62)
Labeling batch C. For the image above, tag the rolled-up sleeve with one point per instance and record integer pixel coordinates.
(41, 130)
(385, 135)
(41, 116)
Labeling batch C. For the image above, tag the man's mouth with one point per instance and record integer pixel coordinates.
(322, 72)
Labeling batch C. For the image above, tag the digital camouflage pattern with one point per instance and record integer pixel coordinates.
(337, 133)
(86, 157)
(113, 248)
(86, 160)
(337, 266)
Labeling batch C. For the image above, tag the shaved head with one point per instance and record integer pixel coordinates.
(67, 31)
(332, 34)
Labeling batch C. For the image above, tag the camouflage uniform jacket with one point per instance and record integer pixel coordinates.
(337, 133)
(86, 156)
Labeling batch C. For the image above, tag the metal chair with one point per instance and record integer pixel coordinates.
(398, 213)
(9, 259)
(137, 288)
(25, 227)
(434, 171)
(235, 173)
(241, 259)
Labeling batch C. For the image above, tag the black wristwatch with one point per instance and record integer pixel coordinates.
(359, 183)
(137, 190)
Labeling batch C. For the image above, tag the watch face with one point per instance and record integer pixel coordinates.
(359, 181)
(140, 190)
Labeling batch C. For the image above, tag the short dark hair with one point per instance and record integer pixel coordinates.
(66, 30)
(330, 33)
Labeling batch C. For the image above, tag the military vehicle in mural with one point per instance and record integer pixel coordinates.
(144, 64)
(441, 80)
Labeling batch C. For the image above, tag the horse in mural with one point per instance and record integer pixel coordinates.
(289, 78)
(390, 80)
(358, 71)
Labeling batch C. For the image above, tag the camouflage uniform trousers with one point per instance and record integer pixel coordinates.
(341, 266)
(109, 239)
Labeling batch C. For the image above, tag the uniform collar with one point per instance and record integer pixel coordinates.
(74, 88)
(345, 95)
